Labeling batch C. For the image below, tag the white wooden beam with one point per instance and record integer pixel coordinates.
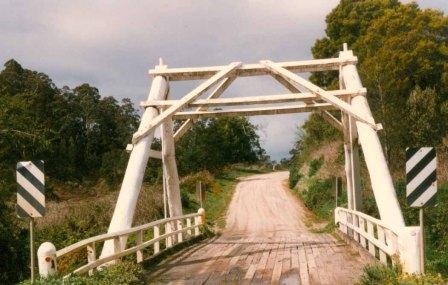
(324, 114)
(185, 101)
(297, 80)
(332, 120)
(253, 100)
(215, 94)
(157, 154)
(171, 175)
(380, 177)
(175, 74)
(254, 111)
(132, 181)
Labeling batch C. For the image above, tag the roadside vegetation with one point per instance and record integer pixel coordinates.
(81, 135)
(402, 53)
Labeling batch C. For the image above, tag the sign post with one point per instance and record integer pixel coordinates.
(421, 185)
(30, 197)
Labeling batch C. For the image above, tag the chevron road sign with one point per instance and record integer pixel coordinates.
(30, 189)
(421, 176)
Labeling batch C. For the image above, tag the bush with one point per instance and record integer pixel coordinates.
(294, 176)
(319, 197)
(381, 274)
(126, 272)
(315, 165)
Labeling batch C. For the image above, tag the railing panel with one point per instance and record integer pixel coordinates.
(362, 228)
(174, 232)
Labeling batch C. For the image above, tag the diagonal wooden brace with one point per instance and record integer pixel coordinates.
(294, 79)
(215, 94)
(190, 97)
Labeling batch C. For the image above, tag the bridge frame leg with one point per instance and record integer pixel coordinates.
(132, 182)
(170, 173)
(380, 177)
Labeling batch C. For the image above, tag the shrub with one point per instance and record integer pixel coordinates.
(315, 165)
(126, 272)
(294, 176)
(381, 274)
(319, 197)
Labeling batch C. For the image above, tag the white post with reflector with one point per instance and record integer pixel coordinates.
(46, 259)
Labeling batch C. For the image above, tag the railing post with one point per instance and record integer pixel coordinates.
(91, 255)
(139, 241)
(382, 239)
(168, 240)
(371, 234)
(409, 249)
(189, 225)
(363, 230)
(157, 243)
(201, 213)
(179, 235)
(46, 258)
(356, 225)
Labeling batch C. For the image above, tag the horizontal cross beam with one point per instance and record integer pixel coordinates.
(215, 94)
(321, 93)
(254, 100)
(190, 97)
(175, 74)
(254, 111)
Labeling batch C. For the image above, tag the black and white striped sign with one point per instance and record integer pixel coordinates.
(421, 176)
(30, 189)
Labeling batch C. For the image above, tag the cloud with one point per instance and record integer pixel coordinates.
(112, 44)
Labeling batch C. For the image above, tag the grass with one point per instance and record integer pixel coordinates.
(379, 274)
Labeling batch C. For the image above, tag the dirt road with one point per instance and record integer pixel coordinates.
(265, 241)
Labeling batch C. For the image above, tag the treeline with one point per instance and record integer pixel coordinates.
(403, 62)
(82, 136)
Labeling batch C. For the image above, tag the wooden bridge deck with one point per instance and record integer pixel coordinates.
(265, 242)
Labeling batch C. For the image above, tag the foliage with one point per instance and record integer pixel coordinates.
(319, 197)
(82, 136)
(402, 60)
(381, 274)
(315, 165)
(294, 176)
(125, 272)
(214, 143)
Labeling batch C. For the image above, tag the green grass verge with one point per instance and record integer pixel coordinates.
(381, 275)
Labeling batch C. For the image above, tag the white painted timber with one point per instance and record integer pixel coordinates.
(135, 170)
(190, 97)
(310, 87)
(254, 111)
(215, 94)
(254, 100)
(124, 250)
(253, 69)
(170, 169)
(327, 116)
(380, 177)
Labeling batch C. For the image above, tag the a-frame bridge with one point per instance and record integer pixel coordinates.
(387, 238)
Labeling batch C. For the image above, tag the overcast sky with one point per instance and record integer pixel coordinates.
(112, 44)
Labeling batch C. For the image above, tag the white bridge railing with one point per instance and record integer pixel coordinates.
(372, 234)
(165, 232)
(399, 245)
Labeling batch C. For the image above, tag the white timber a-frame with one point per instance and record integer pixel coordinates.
(357, 125)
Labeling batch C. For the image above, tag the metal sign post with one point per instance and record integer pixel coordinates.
(30, 197)
(421, 185)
